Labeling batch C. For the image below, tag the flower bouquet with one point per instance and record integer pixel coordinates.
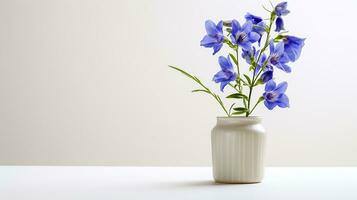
(238, 142)
(263, 52)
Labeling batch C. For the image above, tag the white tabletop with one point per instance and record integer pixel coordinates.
(171, 183)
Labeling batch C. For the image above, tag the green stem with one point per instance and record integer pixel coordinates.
(249, 98)
(239, 84)
(266, 44)
(260, 71)
(255, 106)
(254, 78)
(237, 62)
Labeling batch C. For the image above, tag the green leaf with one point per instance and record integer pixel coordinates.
(238, 113)
(276, 40)
(234, 59)
(237, 96)
(261, 99)
(259, 82)
(279, 37)
(240, 109)
(200, 90)
(248, 79)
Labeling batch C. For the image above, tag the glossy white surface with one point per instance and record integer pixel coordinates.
(171, 183)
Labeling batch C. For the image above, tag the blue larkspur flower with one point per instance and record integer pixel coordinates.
(249, 54)
(278, 58)
(244, 35)
(267, 75)
(258, 24)
(274, 95)
(227, 74)
(293, 46)
(279, 24)
(253, 18)
(280, 10)
(214, 38)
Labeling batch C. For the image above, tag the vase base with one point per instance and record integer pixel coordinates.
(236, 182)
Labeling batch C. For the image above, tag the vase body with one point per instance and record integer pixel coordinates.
(238, 150)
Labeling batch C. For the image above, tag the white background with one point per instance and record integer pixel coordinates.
(87, 83)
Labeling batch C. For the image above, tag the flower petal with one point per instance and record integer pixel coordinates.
(223, 84)
(225, 63)
(233, 77)
(292, 53)
(279, 48)
(220, 26)
(270, 86)
(281, 88)
(247, 27)
(295, 40)
(285, 12)
(246, 45)
(283, 67)
(233, 38)
(284, 58)
(266, 76)
(281, 9)
(260, 27)
(293, 46)
(270, 105)
(217, 47)
(208, 41)
(279, 24)
(262, 59)
(271, 46)
(220, 76)
(286, 68)
(253, 18)
(246, 55)
(282, 5)
(283, 101)
(211, 28)
(235, 27)
(253, 37)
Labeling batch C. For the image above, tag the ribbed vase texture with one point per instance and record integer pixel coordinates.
(238, 149)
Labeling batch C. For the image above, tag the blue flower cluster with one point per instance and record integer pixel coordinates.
(247, 37)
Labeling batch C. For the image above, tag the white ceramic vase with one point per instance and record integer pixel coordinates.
(238, 148)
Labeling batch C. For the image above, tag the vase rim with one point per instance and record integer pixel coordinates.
(239, 120)
(239, 117)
